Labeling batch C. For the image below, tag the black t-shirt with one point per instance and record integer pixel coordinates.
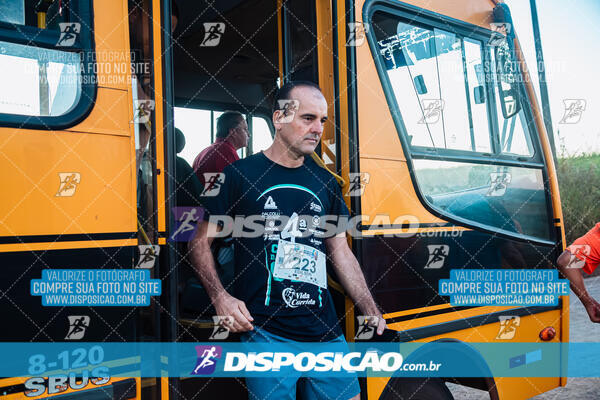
(289, 203)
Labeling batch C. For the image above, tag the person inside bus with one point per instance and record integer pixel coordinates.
(232, 134)
(187, 187)
(583, 254)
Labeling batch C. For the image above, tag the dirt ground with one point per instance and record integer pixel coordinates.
(582, 330)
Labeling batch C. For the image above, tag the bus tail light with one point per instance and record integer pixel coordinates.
(547, 333)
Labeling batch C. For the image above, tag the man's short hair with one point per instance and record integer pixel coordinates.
(284, 92)
(227, 121)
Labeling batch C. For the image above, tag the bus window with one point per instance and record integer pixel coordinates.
(439, 84)
(261, 135)
(507, 198)
(514, 133)
(38, 81)
(46, 72)
(200, 132)
(433, 74)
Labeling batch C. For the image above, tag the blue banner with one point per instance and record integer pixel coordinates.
(503, 287)
(95, 287)
(227, 359)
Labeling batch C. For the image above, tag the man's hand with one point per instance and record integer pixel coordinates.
(227, 305)
(593, 309)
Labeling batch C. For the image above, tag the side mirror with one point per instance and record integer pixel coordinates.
(479, 94)
(420, 84)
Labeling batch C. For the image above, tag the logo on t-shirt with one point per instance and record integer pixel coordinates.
(295, 299)
(270, 204)
(315, 207)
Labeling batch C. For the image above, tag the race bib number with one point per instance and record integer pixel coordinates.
(301, 263)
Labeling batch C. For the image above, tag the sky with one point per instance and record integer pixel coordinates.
(570, 31)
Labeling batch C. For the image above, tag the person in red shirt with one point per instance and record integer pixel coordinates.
(232, 134)
(583, 254)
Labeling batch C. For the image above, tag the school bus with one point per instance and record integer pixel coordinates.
(433, 124)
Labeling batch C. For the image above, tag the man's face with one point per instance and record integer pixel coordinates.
(241, 134)
(302, 134)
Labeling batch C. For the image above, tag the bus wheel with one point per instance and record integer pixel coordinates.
(416, 389)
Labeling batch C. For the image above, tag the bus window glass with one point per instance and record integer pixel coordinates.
(507, 198)
(196, 127)
(514, 133)
(25, 12)
(200, 133)
(477, 95)
(426, 70)
(261, 135)
(38, 81)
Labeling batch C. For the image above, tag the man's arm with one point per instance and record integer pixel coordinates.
(575, 277)
(352, 279)
(204, 264)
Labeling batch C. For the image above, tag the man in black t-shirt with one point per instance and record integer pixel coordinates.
(280, 290)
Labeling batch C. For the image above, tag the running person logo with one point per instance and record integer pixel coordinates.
(508, 327)
(357, 33)
(186, 223)
(77, 326)
(68, 33)
(207, 359)
(437, 255)
(288, 109)
(68, 183)
(574, 109)
(498, 184)
(221, 327)
(213, 182)
(358, 183)
(213, 31)
(500, 30)
(579, 255)
(148, 255)
(143, 110)
(366, 327)
(432, 110)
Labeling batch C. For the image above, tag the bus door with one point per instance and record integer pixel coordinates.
(80, 175)
(455, 175)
